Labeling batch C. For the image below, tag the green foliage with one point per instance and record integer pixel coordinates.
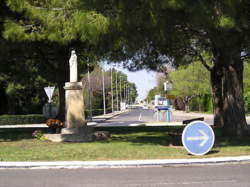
(191, 80)
(55, 21)
(152, 93)
(38, 135)
(226, 22)
(22, 119)
(202, 104)
(246, 84)
(247, 100)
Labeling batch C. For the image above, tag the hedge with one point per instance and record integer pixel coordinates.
(96, 112)
(22, 119)
(202, 104)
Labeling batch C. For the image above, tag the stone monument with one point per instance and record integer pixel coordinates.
(76, 127)
(75, 117)
(73, 66)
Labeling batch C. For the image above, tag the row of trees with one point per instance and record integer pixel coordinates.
(142, 34)
(121, 90)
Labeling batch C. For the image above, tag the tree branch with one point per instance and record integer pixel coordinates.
(53, 9)
(204, 63)
(189, 29)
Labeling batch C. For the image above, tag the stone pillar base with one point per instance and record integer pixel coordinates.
(75, 117)
(83, 134)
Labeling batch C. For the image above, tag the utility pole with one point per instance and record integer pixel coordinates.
(112, 95)
(128, 95)
(103, 92)
(117, 102)
(89, 90)
(120, 88)
(124, 91)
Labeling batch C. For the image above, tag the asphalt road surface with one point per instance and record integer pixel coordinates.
(234, 175)
(134, 117)
(138, 116)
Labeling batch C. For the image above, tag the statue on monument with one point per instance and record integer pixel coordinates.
(73, 66)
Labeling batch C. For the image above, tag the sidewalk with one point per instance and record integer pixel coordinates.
(123, 163)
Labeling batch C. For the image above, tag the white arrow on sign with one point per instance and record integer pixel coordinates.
(204, 138)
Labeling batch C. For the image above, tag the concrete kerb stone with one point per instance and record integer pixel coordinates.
(122, 163)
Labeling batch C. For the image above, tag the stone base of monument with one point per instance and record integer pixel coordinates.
(83, 134)
(102, 135)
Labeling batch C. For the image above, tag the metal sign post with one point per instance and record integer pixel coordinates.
(49, 111)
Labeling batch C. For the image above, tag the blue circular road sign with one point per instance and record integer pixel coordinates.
(198, 138)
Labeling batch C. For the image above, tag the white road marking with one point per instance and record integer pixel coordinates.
(139, 117)
(161, 183)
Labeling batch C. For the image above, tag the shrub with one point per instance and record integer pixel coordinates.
(22, 119)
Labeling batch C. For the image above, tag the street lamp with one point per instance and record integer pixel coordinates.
(117, 102)
(128, 94)
(124, 91)
(112, 95)
(120, 88)
(103, 91)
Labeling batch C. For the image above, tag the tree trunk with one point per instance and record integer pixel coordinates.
(216, 84)
(186, 101)
(233, 102)
(227, 89)
(62, 77)
(3, 101)
(61, 115)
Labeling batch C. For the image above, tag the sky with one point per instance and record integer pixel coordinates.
(144, 80)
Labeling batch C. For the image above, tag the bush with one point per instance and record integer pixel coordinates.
(22, 119)
(247, 100)
(96, 112)
(202, 104)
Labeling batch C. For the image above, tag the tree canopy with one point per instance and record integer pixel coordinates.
(154, 32)
(59, 21)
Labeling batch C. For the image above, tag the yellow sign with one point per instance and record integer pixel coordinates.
(170, 96)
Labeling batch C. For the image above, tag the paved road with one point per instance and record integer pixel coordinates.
(193, 176)
(139, 116)
(134, 117)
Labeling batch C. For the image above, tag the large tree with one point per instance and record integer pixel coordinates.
(154, 32)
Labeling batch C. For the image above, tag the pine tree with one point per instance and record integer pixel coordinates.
(51, 29)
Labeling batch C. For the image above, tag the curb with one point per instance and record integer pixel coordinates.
(122, 163)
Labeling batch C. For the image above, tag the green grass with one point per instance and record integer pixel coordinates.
(125, 144)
